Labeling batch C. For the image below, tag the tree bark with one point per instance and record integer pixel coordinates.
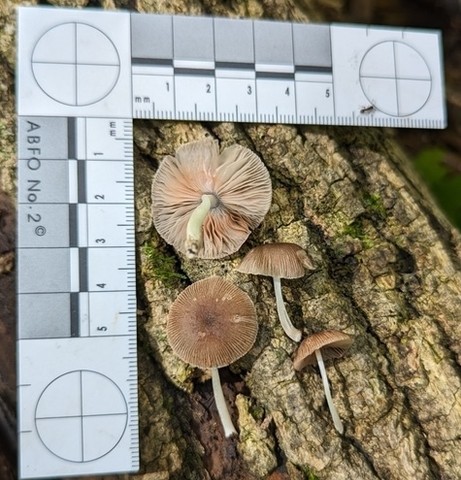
(388, 272)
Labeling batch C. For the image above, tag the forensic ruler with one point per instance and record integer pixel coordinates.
(77, 376)
(82, 76)
(74, 62)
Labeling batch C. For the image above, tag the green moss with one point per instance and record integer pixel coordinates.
(357, 229)
(309, 474)
(160, 266)
(257, 412)
(360, 227)
(367, 243)
(354, 229)
(374, 205)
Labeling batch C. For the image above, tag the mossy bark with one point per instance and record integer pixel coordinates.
(388, 273)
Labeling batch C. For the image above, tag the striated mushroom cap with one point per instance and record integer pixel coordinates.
(237, 178)
(212, 323)
(283, 260)
(333, 344)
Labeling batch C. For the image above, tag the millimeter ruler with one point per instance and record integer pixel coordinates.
(77, 376)
(82, 76)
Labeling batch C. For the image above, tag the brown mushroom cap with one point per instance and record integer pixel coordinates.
(212, 323)
(283, 260)
(237, 178)
(332, 343)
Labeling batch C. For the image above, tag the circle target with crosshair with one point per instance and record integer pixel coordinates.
(81, 416)
(75, 64)
(395, 78)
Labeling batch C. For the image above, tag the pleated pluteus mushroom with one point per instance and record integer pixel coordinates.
(316, 348)
(205, 203)
(211, 324)
(278, 260)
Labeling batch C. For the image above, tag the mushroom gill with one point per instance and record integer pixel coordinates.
(205, 203)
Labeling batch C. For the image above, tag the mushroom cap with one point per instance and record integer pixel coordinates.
(237, 178)
(333, 344)
(283, 260)
(212, 323)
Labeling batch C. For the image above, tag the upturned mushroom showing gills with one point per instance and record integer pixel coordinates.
(278, 260)
(211, 324)
(205, 203)
(317, 348)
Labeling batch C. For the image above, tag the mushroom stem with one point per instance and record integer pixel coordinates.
(334, 413)
(194, 232)
(285, 321)
(221, 404)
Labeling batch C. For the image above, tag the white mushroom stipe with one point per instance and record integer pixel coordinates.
(334, 413)
(285, 321)
(194, 231)
(226, 421)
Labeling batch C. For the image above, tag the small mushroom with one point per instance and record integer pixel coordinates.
(211, 324)
(317, 348)
(206, 204)
(278, 260)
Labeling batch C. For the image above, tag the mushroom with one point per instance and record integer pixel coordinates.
(211, 324)
(317, 348)
(206, 204)
(278, 260)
